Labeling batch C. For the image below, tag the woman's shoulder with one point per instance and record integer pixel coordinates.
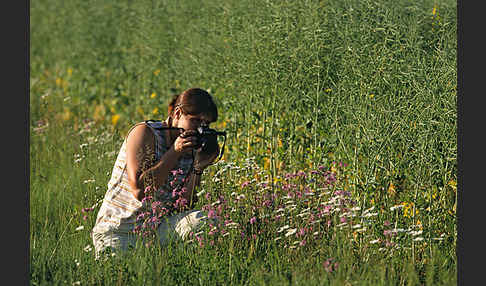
(140, 131)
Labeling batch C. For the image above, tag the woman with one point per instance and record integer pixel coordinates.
(154, 155)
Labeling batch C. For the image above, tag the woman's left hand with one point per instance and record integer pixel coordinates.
(203, 159)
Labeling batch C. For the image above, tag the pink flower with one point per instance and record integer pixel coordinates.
(147, 190)
(177, 172)
(329, 266)
(211, 214)
(252, 220)
(245, 184)
(180, 203)
(301, 232)
(343, 219)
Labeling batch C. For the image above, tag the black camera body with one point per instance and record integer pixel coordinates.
(208, 139)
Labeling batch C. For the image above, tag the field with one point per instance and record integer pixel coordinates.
(340, 163)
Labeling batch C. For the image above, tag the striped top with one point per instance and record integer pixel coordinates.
(119, 209)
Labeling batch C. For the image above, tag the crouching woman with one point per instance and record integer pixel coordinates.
(155, 158)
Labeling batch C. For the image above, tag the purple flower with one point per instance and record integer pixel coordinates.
(301, 232)
(180, 203)
(147, 190)
(211, 214)
(177, 172)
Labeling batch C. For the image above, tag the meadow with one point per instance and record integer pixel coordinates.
(340, 166)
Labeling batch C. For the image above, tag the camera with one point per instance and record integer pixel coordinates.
(208, 139)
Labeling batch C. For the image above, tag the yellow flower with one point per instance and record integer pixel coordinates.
(66, 115)
(58, 81)
(266, 163)
(434, 10)
(70, 71)
(156, 72)
(153, 95)
(371, 96)
(391, 189)
(453, 184)
(328, 90)
(155, 110)
(115, 118)
(333, 169)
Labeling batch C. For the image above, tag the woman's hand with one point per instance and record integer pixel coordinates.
(204, 159)
(186, 141)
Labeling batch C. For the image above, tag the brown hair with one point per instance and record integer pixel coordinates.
(194, 101)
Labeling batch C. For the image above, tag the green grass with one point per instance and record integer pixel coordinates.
(299, 84)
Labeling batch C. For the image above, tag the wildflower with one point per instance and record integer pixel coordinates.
(418, 239)
(301, 232)
(396, 207)
(211, 214)
(374, 241)
(291, 232)
(389, 232)
(245, 184)
(370, 215)
(329, 266)
(88, 248)
(153, 95)
(283, 228)
(81, 227)
(415, 233)
(114, 119)
(252, 220)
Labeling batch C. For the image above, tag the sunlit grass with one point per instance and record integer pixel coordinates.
(364, 89)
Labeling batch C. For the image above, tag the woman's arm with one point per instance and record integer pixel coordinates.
(140, 151)
(202, 161)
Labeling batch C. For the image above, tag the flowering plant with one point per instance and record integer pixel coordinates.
(159, 204)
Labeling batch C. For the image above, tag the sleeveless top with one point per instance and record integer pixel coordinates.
(119, 208)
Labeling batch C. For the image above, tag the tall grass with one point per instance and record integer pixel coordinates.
(299, 84)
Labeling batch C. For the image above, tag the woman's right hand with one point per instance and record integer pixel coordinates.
(185, 142)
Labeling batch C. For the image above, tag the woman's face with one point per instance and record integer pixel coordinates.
(188, 121)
